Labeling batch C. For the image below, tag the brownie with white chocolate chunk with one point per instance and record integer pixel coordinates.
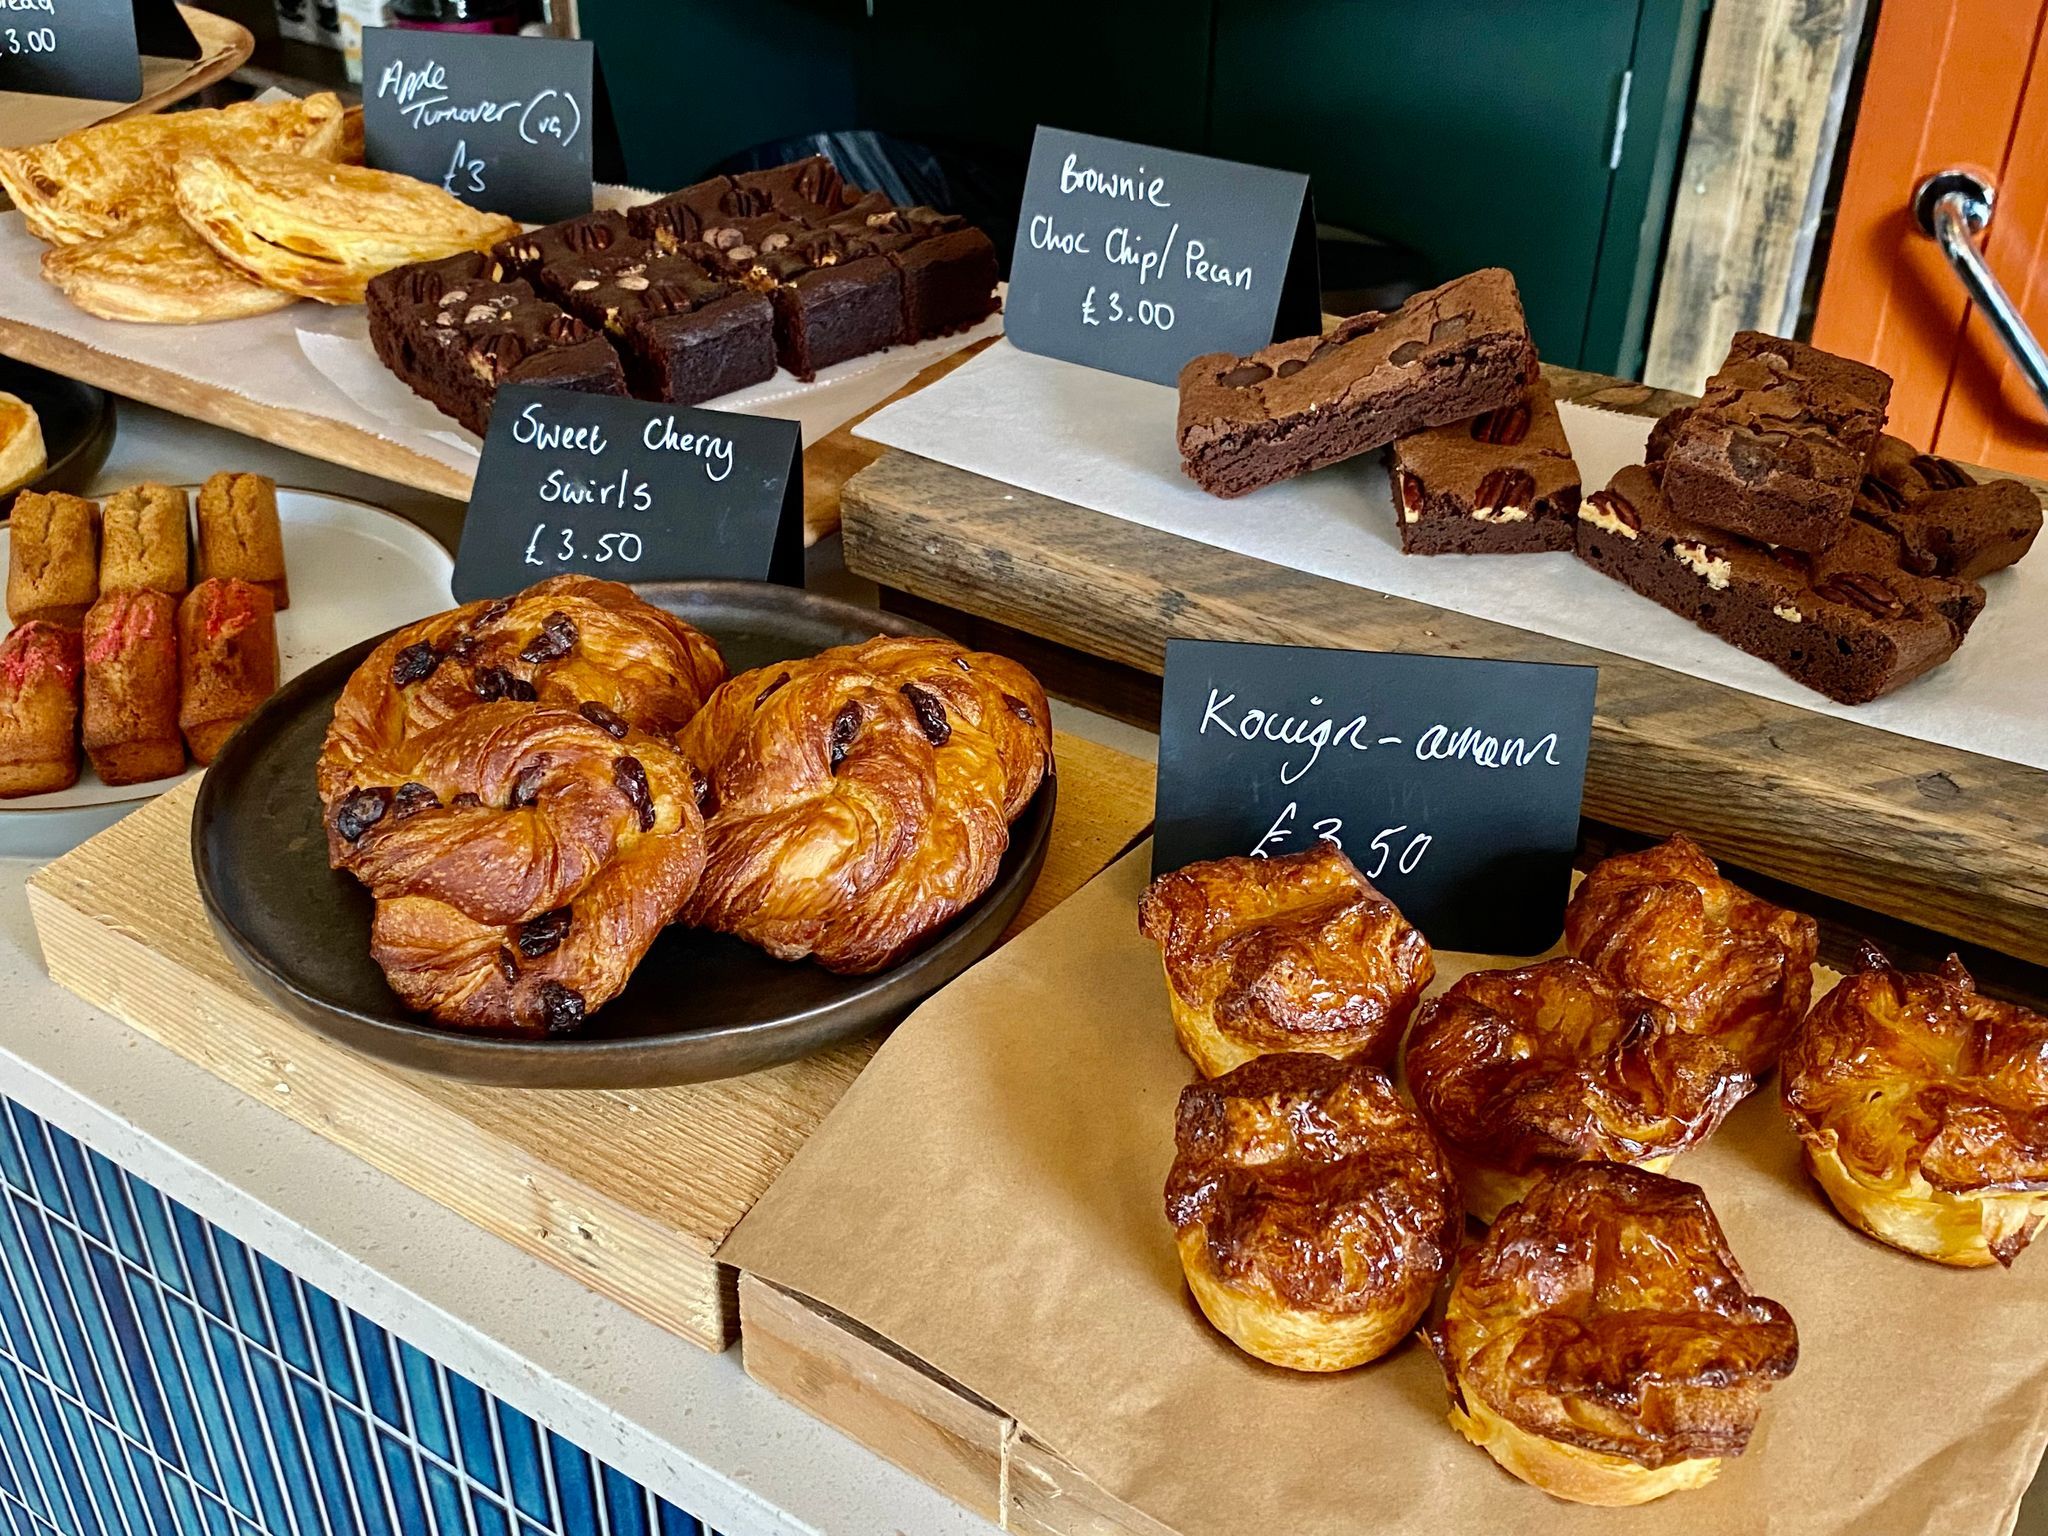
(1503, 483)
(1850, 622)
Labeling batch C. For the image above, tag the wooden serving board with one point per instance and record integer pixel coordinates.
(629, 1191)
(1939, 837)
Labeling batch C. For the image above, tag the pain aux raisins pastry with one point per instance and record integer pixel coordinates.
(1519, 1071)
(1602, 1343)
(1315, 1214)
(1923, 1108)
(861, 799)
(1296, 953)
(1665, 923)
(501, 777)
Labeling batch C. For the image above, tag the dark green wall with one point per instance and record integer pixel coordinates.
(1475, 132)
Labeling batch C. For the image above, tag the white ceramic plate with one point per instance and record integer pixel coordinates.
(355, 571)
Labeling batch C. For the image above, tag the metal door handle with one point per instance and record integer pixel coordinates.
(1953, 207)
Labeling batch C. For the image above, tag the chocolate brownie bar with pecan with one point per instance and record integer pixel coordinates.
(1947, 524)
(1445, 355)
(1778, 444)
(1851, 622)
(1503, 483)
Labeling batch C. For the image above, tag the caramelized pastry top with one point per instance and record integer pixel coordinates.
(1912, 1074)
(1605, 1311)
(1312, 1180)
(862, 797)
(1729, 965)
(1552, 1062)
(1288, 949)
(570, 642)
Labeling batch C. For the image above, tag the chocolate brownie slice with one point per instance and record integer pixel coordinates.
(1850, 623)
(810, 190)
(1503, 483)
(567, 244)
(1445, 355)
(1947, 524)
(950, 268)
(834, 298)
(682, 216)
(1778, 444)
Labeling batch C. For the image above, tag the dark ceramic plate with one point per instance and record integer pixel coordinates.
(78, 426)
(700, 1006)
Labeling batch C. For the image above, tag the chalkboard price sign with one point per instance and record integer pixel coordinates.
(515, 125)
(1134, 259)
(1452, 784)
(87, 48)
(629, 490)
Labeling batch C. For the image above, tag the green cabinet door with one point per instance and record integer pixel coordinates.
(1477, 133)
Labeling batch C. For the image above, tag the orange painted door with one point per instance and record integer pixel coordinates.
(1952, 84)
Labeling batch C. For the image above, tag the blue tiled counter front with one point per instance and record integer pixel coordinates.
(159, 1376)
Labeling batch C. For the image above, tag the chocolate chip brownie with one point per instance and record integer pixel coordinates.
(1778, 444)
(1851, 623)
(1445, 355)
(1503, 483)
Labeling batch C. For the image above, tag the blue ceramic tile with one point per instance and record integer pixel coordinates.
(575, 1489)
(488, 1515)
(186, 1450)
(363, 1477)
(189, 1334)
(245, 1449)
(184, 1507)
(47, 1357)
(237, 1268)
(134, 1358)
(473, 1430)
(70, 1493)
(198, 1260)
(380, 1382)
(330, 1343)
(112, 1188)
(47, 1278)
(402, 1477)
(99, 1337)
(42, 1167)
(282, 1438)
(157, 1242)
(71, 1164)
(286, 1323)
(423, 1396)
(149, 1481)
(325, 1458)
(673, 1522)
(445, 1495)
(625, 1504)
(523, 1467)
(23, 1434)
(114, 1471)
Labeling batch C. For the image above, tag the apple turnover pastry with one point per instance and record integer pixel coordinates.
(156, 271)
(1314, 1212)
(1296, 953)
(1519, 1071)
(1602, 1344)
(322, 230)
(1731, 966)
(860, 799)
(1923, 1108)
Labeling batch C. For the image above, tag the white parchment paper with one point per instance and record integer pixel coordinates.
(317, 358)
(1106, 442)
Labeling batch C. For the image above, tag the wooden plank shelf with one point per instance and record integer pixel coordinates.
(1946, 839)
(630, 1191)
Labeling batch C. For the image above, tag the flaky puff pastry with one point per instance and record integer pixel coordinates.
(156, 271)
(1602, 1344)
(1521, 1070)
(1923, 1109)
(570, 642)
(1296, 953)
(322, 230)
(522, 860)
(862, 798)
(92, 183)
(1731, 966)
(1314, 1212)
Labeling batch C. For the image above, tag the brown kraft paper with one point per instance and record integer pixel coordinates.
(988, 1197)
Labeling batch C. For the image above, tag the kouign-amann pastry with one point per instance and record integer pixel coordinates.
(1504, 483)
(146, 541)
(862, 798)
(102, 179)
(1923, 1107)
(39, 667)
(21, 444)
(1602, 1343)
(1295, 953)
(53, 558)
(1518, 1071)
(130, 725)
(157, 271)
(1730, 966)
(1778, 444)
(1314, 1213)
(322, 230)
(227, 660)
(523, 858)
(1445, 355)
(571, 643)
(240, 535)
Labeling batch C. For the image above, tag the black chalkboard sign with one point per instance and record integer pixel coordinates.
(1453, 784)
(515, 125)
(1134, 259)
(630, 490)
(87, 48)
